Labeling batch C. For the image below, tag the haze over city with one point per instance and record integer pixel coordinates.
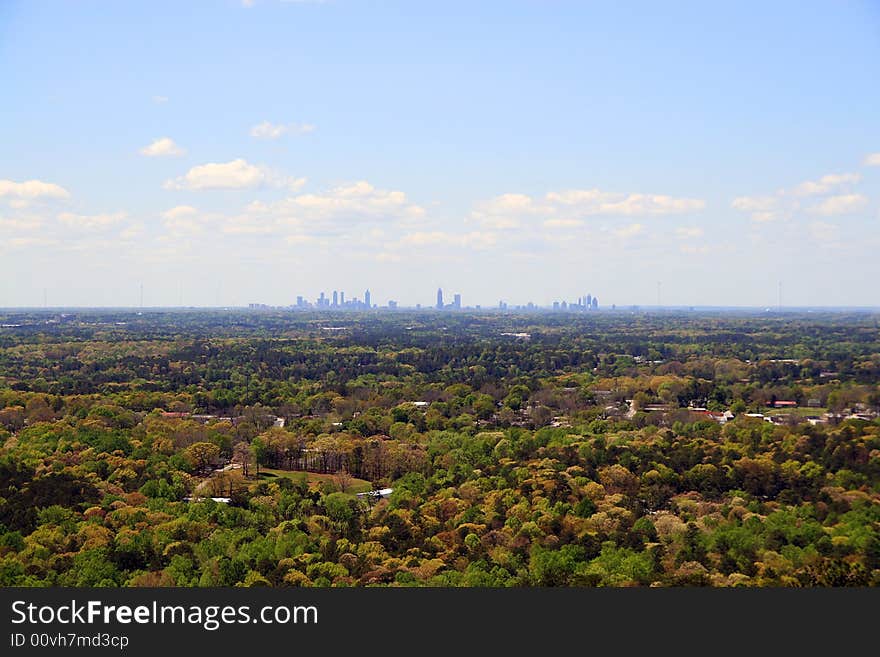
(225, 153)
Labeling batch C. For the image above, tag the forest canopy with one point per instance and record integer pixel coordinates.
(234, 448)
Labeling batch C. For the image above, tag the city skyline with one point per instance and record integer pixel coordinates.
(717, 150)
(336, 299)
(330, 300)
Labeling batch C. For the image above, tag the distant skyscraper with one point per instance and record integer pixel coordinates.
(439, 298)
(589, 301)
(367, 299)
(456, 302)
(595, 303)
(342, 298)
(335, 298)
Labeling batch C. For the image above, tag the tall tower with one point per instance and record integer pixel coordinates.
(367, 300)
(439, 298)
(342, 298)
(335, 298)
(456, 302)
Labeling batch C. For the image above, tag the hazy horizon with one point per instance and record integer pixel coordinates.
(223, 152)
(513, 307)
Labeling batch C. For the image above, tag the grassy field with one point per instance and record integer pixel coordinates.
(800, 411)
(315, 479)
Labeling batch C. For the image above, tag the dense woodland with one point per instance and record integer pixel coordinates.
(540, 449)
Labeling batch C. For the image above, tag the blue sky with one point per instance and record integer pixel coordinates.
(222, 152)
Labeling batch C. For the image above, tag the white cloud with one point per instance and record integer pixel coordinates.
(132, 232)
(91, 247)
(825, 233)
(499, 223)
(872, 160)
(691, 249)
(842, 204)
(244, 225)
(339, 211)
(183, 220)
(23, 242)
(473, 239)
(826, 184)
(594, 201)
(388, 257)
(163, 147)
(756, 203)
(764, 217)
(688, 232)
(505, 211)
(267, 130)
(352, 202)
(237, 174)
(182, 227)
(629, 231)
(761, 208)
(247, 4)
(179, 212)
(787, 202)
(299, 239)
(160, 100)
(31, 190)
(567, 207)
(21, 224)
(509, 203)
(91, 221)
(562, 223)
